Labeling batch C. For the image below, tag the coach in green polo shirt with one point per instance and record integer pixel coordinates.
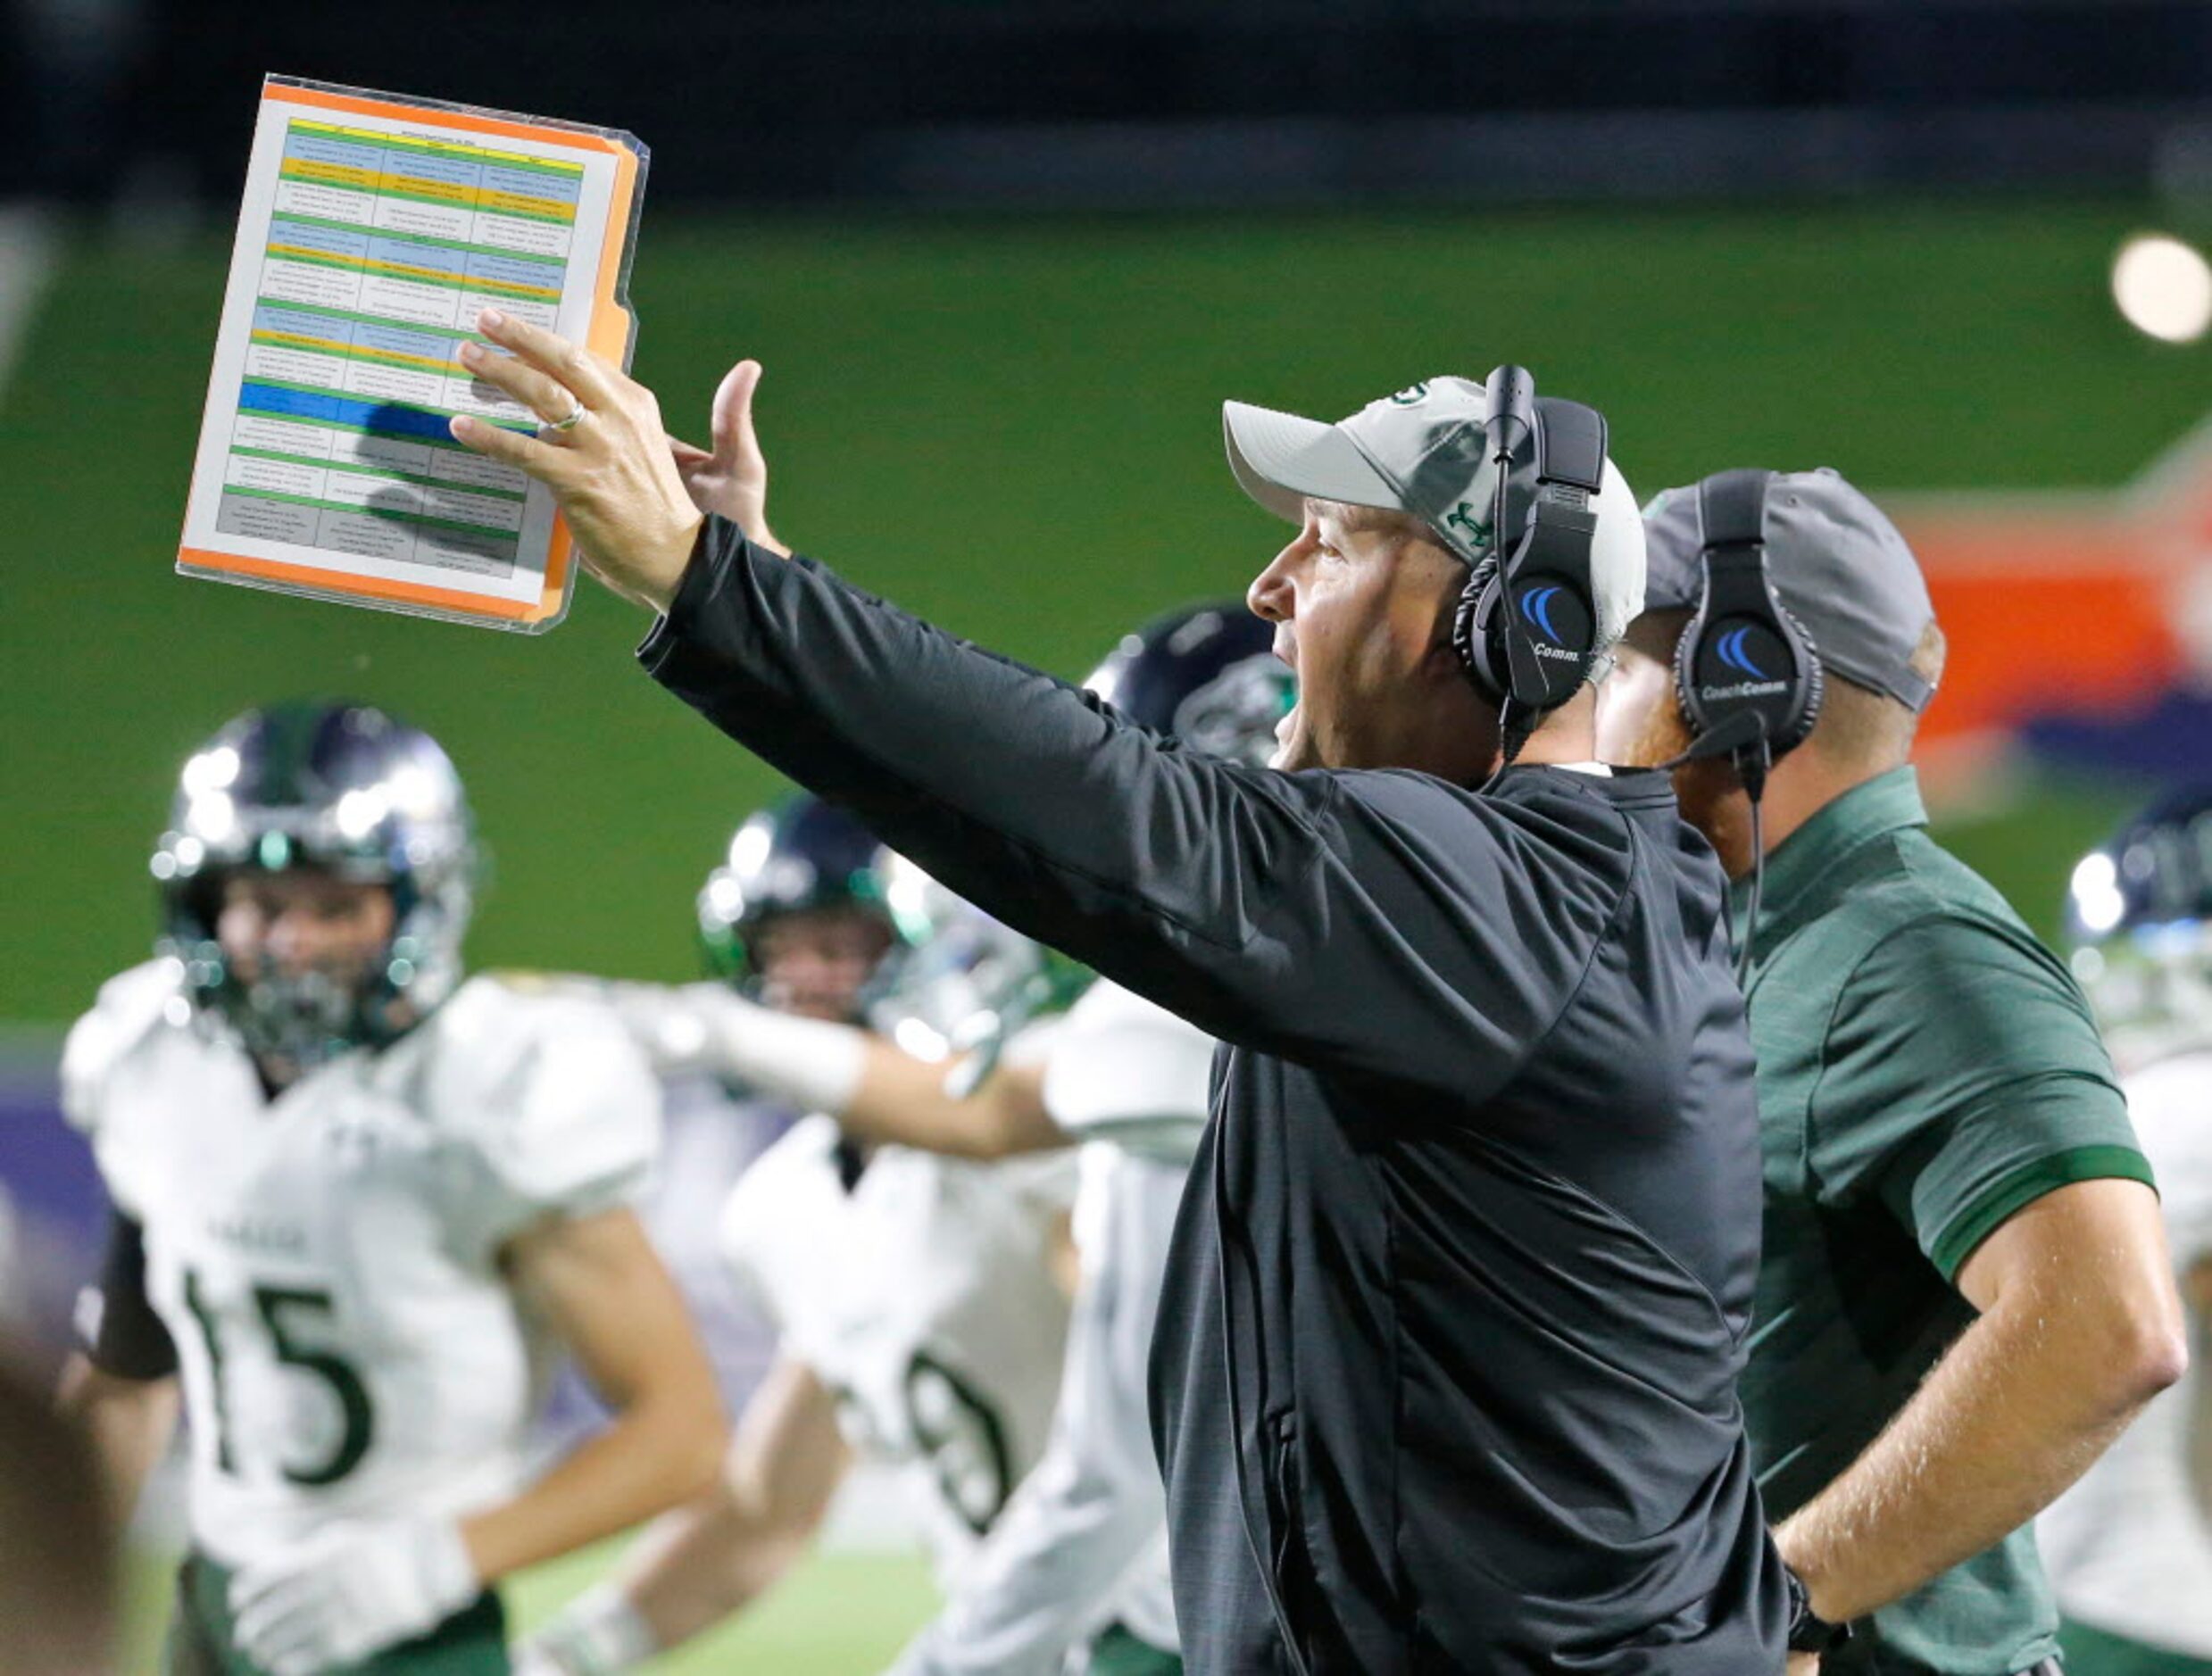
(1964, 1293)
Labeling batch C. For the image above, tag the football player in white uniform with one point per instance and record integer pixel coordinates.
(1074, 1574)
(919, 1316)
(357, 1203)
(794, 919)
(2129, 1547)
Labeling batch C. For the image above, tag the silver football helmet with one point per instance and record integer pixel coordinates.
(2139, 924)
(966, 983)
(341, 787)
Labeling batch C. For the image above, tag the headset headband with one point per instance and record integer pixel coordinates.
(1526, 627)
(1732, 510)
(1747, 674)
(1570, 445)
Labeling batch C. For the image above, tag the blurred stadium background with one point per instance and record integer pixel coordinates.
(1002, 262)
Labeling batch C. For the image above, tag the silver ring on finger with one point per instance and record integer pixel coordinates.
(570, 420)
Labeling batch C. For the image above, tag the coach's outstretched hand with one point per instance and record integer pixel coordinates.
(602, 452)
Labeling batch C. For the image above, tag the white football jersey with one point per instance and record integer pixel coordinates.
(921, 1293)
(1084, 1544)
(709, 1137)
(2129, 1547)
(1124, 1070)
(327, 1262)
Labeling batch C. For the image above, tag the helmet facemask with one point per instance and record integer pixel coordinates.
(346, 791)
(2138, 918)
(967, 984)
(1235, 715)
(1206, 675)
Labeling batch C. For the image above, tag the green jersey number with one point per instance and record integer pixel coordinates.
(279, 1307)
(963, 1437)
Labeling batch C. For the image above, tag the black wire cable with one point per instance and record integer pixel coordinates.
(1752, 769)
(1513, 730)
(1512, 734)
(1759, 883)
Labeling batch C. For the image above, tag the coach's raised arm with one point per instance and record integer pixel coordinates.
(1444, 1376)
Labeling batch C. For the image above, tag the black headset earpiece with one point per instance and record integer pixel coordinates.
(1526, 626)
(1747, 674)
(1478, 600)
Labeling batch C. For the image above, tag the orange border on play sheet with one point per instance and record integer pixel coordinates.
(607, 336)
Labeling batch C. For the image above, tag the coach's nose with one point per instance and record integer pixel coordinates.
(1273, 595)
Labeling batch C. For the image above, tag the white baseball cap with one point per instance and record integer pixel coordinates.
(1422, 451)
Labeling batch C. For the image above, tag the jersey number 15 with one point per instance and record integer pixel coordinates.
(274, 1304)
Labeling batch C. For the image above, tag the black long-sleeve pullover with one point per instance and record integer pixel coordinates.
(1444, 1374)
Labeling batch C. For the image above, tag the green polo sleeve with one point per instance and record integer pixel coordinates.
(1961, 1079)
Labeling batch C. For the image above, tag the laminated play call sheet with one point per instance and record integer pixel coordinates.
(374, 230)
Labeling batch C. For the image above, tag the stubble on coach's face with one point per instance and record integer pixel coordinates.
(1362, 604)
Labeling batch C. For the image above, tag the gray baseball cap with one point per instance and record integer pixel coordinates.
(1839, 566)
(1421, 452)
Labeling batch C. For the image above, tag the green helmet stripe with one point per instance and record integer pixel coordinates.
(288, 741)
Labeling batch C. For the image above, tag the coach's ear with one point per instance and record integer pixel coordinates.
(1450, 582)
(1441, 660)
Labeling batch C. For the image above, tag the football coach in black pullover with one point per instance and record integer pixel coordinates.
(1444, 1375)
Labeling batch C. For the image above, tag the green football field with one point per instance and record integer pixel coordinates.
(838, 1614)
(1013, 426)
